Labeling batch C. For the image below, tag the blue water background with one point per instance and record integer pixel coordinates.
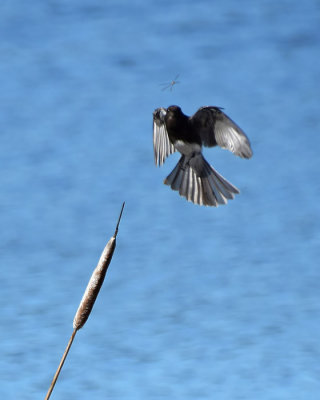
(199, 303)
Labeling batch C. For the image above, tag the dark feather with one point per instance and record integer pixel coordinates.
(216, 128)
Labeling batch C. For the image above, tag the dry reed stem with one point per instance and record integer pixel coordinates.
(54, 380)
(89, 297)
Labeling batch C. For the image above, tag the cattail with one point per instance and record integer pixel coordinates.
(89, 297)
(96, 281)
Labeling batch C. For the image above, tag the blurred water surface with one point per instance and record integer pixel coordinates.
(199, 303)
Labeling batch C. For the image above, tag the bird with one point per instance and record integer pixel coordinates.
(193, 177)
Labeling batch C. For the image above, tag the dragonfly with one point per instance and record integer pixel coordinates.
(169, 85)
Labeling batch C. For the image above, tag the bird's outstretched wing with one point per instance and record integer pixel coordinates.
(161, 144)
(215, 127)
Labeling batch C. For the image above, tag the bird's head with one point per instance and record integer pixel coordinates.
(175, 110)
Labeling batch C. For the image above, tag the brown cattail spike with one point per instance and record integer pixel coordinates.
(96, 281)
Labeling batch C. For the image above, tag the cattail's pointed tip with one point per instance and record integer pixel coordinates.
(116, 230)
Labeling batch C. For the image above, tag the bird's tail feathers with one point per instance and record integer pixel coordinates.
(200, 183)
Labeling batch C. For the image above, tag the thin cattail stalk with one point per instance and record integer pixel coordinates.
(89, 297)
(56, 375)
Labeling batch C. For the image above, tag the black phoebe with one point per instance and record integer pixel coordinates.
(193, 177)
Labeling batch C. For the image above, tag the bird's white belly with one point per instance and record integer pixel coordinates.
(187, 148)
